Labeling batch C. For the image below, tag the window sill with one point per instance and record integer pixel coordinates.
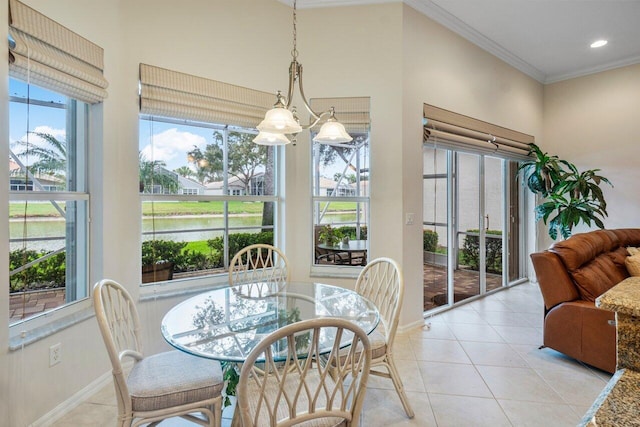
(182, 287)
(32, 330)
(335, 272)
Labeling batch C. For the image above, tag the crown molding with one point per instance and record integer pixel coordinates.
(593, 70)
(438, 14)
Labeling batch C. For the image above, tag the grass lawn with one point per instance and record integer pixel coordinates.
(16, 209)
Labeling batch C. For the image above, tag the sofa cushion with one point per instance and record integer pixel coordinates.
(633, 265)
(619, 257)
(597, 277)
(628, 236)
(581, 248)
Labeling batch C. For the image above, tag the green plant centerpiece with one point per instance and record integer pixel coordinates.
(330, 236)
(231, 370)
(569, 195)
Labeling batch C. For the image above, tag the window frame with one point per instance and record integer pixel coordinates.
(78, 121)
(323, 270)
(189, 284)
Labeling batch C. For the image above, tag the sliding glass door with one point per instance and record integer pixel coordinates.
(469, 199)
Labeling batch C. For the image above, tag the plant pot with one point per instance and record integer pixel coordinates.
(157, 272)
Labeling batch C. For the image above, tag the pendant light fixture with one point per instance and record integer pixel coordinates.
(282, 120)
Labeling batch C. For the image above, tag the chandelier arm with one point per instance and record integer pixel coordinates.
(293, 75)
(317, 118)
(315, 115)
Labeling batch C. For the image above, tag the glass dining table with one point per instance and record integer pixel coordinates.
(226, 324)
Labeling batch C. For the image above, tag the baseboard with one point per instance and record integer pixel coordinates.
(74, 401)
(409, 326)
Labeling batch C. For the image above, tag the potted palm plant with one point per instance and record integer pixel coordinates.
(570, 197)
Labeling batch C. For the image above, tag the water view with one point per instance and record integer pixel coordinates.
(48, 234)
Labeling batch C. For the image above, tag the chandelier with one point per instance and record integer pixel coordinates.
(282, 119)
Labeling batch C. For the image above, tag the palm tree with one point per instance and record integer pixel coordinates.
(51, 159)
(153, 174)
(184, 171)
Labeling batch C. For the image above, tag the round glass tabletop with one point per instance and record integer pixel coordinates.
(226, 324)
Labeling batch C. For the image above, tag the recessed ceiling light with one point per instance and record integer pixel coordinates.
(598, 43)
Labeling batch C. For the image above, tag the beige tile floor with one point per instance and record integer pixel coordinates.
(476, 365)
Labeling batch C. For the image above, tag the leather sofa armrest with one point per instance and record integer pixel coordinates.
(555, 284)
(581, 330)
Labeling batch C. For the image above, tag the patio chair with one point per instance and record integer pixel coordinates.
(292, 387)
(258, 263)
(381, 282)
(160, 386)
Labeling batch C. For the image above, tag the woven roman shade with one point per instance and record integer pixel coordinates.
(49, 55)
(451, 130)
(353, 113)
(170, 93)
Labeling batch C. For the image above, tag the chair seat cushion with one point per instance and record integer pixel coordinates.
(378, 344)
(173, 378)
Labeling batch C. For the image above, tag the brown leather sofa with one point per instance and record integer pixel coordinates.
(571, 275)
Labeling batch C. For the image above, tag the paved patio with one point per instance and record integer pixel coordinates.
(26, 304)
(466, 284)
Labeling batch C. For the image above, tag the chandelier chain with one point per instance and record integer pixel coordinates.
(294, 52)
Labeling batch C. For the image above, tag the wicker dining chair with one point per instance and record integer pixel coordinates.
(291, 386)
(258, 263)
(381, 281)
(160, 386)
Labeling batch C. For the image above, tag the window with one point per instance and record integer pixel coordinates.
(207, 190)
(341, 188)
(56, 75)
(48, 200)
(216, 195)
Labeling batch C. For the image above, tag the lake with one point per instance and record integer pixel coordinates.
(48, 234)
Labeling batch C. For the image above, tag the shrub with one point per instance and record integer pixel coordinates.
(429, 240)
(154, 251)
(191, 260)
(470, 253)
(49, 273)
(238, 241)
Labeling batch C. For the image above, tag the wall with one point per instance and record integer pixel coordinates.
(592, 121)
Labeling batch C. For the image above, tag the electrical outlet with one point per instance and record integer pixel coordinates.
(55, 354)
(409, 219)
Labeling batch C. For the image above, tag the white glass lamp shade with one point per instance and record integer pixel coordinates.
(332, 132)
(266, 138)
(279, 120)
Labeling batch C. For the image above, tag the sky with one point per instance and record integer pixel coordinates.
(38, 118)
(170, 142)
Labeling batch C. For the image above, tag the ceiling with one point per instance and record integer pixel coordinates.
(546, 39)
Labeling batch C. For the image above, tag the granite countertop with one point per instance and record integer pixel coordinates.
(617, 405)
(623, 297)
